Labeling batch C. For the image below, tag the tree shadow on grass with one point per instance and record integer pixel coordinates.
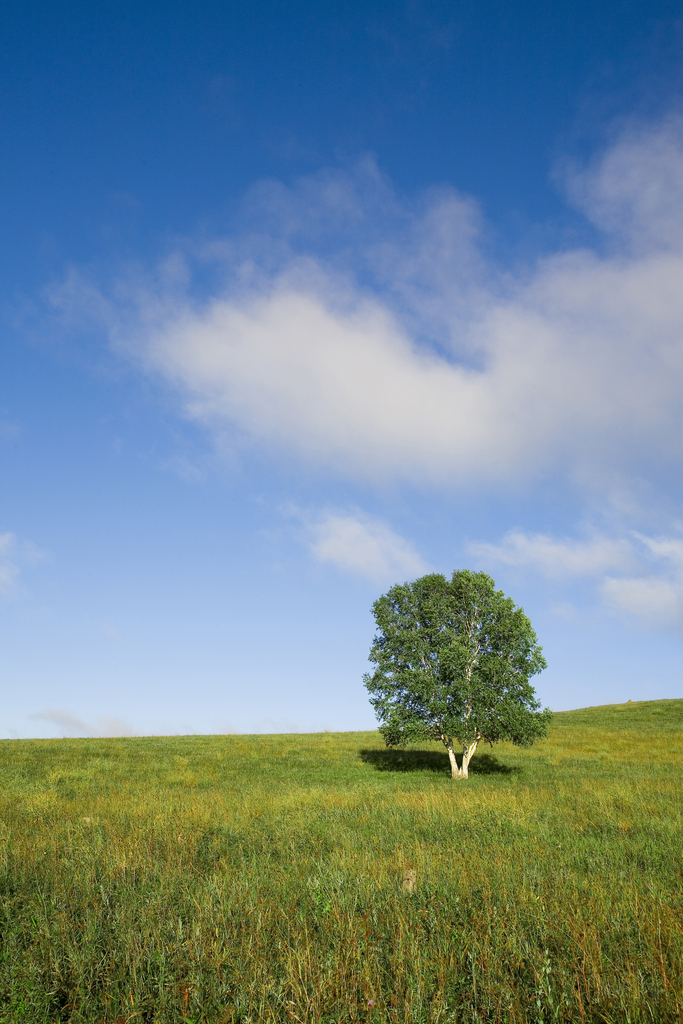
(395, 760)
(488, 764)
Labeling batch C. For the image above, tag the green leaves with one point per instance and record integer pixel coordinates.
(453, 661)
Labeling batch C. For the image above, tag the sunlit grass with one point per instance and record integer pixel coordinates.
(324, 878)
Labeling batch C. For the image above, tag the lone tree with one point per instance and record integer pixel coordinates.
(453, 661)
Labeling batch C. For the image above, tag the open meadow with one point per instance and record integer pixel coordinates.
(309, 878)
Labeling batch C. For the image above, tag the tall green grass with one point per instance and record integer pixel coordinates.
(324, 878)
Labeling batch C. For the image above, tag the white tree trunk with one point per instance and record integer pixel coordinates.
(455, 771)
(467, 754)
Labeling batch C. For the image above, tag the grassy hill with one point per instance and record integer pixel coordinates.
(325, 878)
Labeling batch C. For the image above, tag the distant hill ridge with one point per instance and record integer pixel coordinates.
(643, 715)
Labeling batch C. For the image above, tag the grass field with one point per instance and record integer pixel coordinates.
(323, 878)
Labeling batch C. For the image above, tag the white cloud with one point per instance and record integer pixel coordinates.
(343, 387)
(557, 558)
(438, 369)
(364, 546)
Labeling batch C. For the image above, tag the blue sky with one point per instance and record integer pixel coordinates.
(302, 300)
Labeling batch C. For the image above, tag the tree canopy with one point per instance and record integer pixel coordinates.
(453, 659)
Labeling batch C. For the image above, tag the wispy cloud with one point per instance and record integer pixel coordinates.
(8, 429)
(654, 597)
(71, 725)
(634, 191)
(362, 545)
(16, 554)
(9, 570)
(654, 600)
(557, 557)
(637, 576)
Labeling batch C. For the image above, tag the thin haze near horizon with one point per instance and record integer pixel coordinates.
(300, 301)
